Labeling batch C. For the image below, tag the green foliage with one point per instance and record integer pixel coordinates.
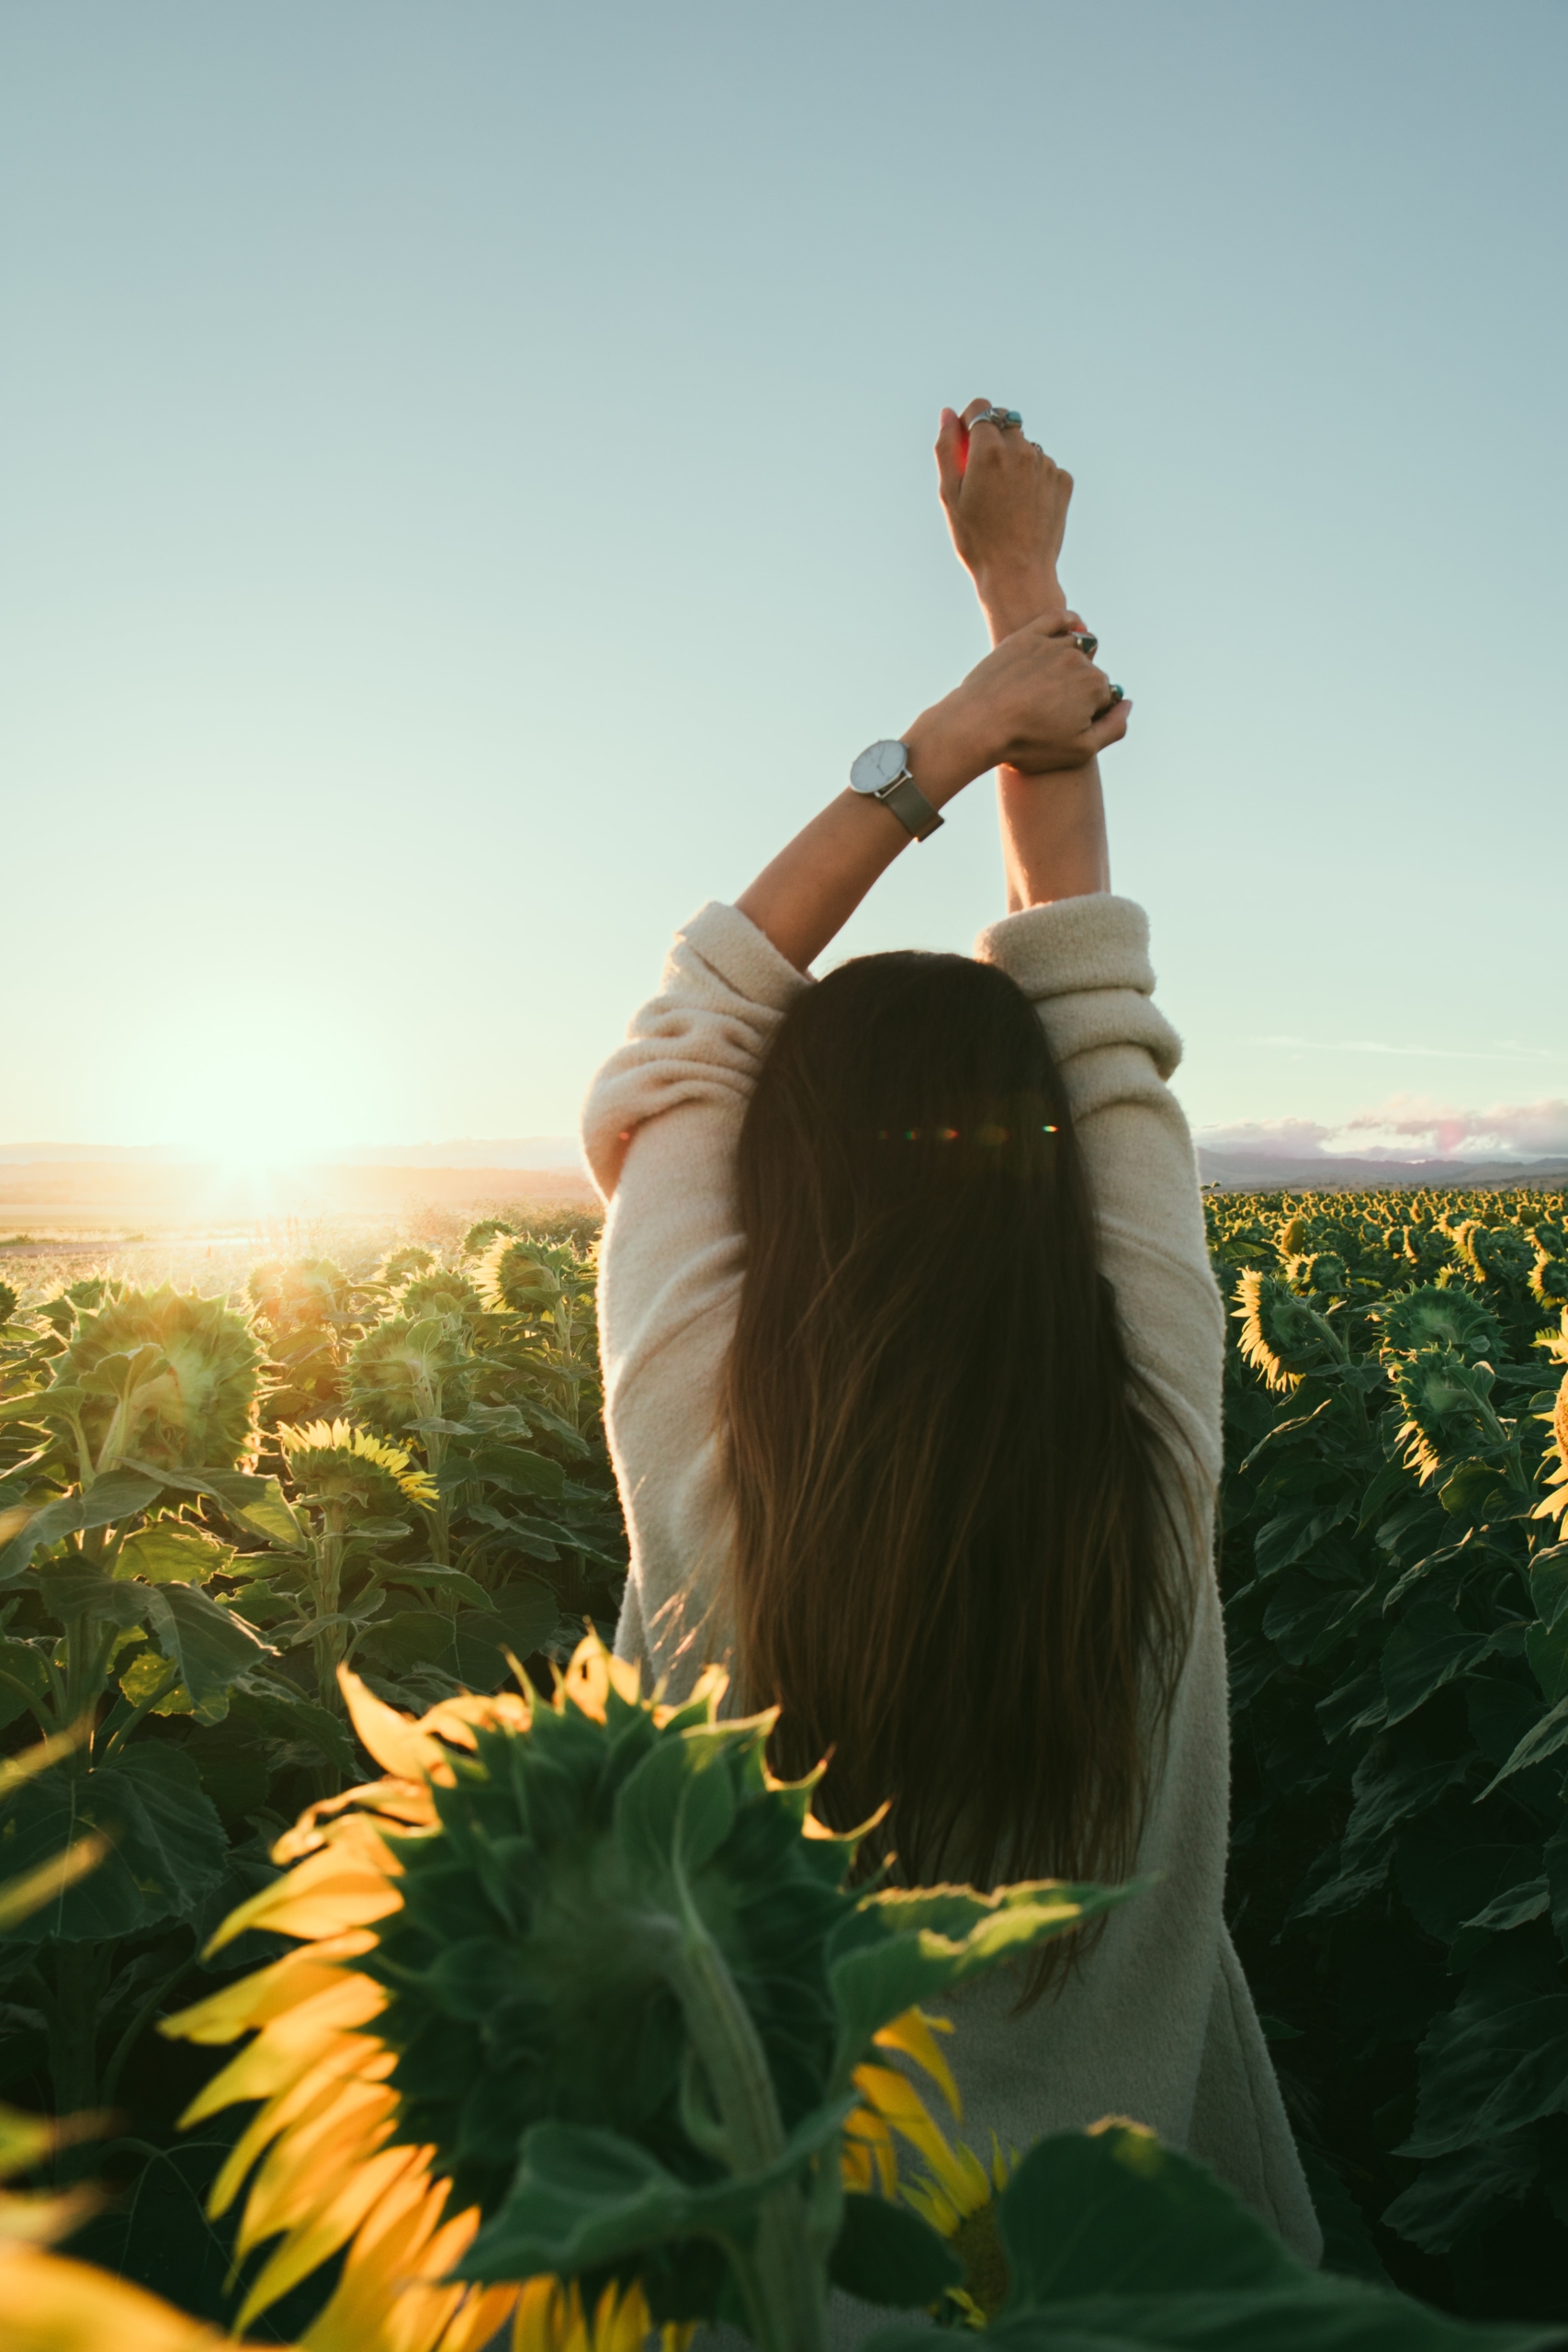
(1399, 1655)
(1114, 2241)
(191, 1603)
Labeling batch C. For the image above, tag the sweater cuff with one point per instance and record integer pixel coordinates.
(743, 957)
(1099, 942)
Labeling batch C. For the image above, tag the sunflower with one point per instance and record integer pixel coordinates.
(1437, 1315)
(1447, 1403)
(409, 1370)
(162, 1374)
(544, 1933)
(517, 1278)
(1281, 1336)
(959, 2201)
(398, 1264)
(442, 1291)
(333, 1461)
(1556, 1503)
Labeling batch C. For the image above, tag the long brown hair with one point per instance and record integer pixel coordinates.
(954, 1566)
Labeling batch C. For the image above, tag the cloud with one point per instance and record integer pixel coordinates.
(1407, 1127)
(1267, 1138)
(1509, 1130)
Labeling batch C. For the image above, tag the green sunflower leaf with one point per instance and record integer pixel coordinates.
(884, 2254)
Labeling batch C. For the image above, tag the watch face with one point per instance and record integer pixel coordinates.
(879, 766)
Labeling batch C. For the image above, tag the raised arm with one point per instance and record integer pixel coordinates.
(1036, 702)
(1006, 503)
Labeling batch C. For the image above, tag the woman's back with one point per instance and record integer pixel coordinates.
(1157, 2023)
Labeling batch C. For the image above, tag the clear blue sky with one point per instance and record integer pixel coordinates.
(466, 483)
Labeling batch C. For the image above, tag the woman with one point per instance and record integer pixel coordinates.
(913, 1360)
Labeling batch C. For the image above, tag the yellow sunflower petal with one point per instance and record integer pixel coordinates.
(313, 2036)
(331, 2226)
(534, 2327)
(384, 1807)
(484, 2314)
(321, 2090)
(394, 2294)
(395, 1740)
(915, 2035)
(895, 2098)
(38, 2216)
(309, 2157)
(348, 1883)
(270, 1991)
(868, 2144)
(621, 2319)
(52, 2305)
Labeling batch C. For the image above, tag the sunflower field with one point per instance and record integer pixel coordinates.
(357, 1993)
(206, 1510)
(1396, 1595)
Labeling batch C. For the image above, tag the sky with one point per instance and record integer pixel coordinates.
(467, 484)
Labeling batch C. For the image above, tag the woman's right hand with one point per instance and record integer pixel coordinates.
(1006, 503)
(1037, 704)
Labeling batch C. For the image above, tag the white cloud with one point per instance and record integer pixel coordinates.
(1267, 1138)
(1407, 1127)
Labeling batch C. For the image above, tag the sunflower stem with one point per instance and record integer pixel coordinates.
(783, 2284)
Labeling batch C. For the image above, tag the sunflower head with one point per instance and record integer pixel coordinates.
(1549, 1277)
(958, 2198)
(1292, 1236)
(528, 1974)
(1322, 1272)
(1500, 1254)
(1555, 1501)
(517, 1278)
(1281, 1336)
(332, 1461)
(168, 1375)
(1447, 1405)
(477, 1238)
(408, 1370)
(298, 1291)
(1439, 1315)
(443, 1291)
(588, 1941)
(398, 1264)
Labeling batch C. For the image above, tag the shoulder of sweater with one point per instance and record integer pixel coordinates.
(1097, 941)
(721, 943)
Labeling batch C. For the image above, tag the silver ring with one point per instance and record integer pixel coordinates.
(1002, 418)
(1116, 693)
(1086, 643)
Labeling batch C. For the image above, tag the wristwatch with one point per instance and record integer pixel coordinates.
(882, 773)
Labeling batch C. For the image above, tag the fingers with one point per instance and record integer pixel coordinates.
(1110, 727)
(952, 448)
(951, 456)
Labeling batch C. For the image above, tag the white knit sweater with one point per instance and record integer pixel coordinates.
(1158, 2024)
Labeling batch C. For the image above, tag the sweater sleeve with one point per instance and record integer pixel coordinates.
(660, 1128)
(1084, 964)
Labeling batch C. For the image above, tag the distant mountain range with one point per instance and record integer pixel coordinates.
(1257, 1171)
(1238, 1170)
(525, 1152)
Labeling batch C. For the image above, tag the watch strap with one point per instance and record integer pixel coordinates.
(910, 805)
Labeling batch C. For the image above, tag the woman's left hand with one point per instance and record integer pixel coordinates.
(1006, 503)
(1037, 704)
